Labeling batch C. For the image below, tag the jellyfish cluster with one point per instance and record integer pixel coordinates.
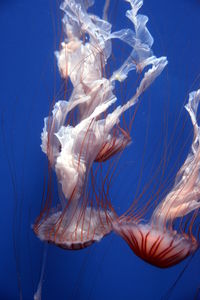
(84, 131)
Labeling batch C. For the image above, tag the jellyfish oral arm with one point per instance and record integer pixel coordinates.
(83, 62)
(185, 194)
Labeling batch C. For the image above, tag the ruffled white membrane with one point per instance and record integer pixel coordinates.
(185, 194)
(72, 149)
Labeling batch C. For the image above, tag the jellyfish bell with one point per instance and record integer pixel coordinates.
(159, 242)
(159, 247)
(86, 227)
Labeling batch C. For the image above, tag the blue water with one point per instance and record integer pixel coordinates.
(30, 32)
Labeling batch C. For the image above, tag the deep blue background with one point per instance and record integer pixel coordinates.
(30, 32)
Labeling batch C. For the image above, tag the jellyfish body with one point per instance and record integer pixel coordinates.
(85, 213)
(157, 242)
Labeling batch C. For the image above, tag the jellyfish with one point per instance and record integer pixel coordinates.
(84, 130)
(158, 242)
(22, 142)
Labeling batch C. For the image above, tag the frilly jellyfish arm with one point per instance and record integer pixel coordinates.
(185, 194)
(83, 62)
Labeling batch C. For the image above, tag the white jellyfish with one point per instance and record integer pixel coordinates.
(72, 147)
